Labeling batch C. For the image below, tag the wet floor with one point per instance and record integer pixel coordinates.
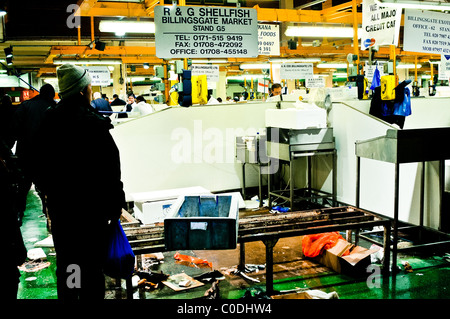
(430, 278)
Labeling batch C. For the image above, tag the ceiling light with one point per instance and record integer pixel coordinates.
(320, 32)
(332, 65)
(408, 66)
(424, 5)
(2, 13)
(122, 27)
(146, 66)
(247, 76)
(87, 61)
(254, 66)
(340, 74)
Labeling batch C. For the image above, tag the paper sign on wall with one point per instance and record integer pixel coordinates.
(380, 26)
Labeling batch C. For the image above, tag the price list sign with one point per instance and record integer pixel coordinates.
(205, 32)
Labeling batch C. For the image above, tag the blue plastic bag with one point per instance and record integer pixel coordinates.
(120, 258)
(376, 80)
(404, 108)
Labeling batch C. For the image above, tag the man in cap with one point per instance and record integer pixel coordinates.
(80, 174)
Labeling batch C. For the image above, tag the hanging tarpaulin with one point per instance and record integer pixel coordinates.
(380, 26)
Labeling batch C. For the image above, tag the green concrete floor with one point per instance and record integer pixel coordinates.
(429, 280)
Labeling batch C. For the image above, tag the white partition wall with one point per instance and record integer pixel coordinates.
(183, 147)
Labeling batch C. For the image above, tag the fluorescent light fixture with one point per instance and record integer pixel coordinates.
(426, 76)
(287, 60)
(210, 61)
(340, 74)
(424, 5)
(332, 65)
(320, 32)
(408, 66)
(312, 3)
(88, 61)
(254, 66)
(122, 27)
(247, 77)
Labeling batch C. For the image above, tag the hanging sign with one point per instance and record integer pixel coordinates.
(315, 83)
(294, 71)
(444, 68)
(427, 32)
(211, 72)
(100, 75)
(269, 39)
(380, 26)
(205, 32)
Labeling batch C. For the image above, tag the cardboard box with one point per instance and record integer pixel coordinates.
(355, 264)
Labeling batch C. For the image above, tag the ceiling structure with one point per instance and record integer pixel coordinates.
(38, 31)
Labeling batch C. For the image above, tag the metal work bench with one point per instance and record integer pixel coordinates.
(270, 228)
(287, 145)
(406, 146)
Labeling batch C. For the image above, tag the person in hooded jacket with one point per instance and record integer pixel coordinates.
(80, 175)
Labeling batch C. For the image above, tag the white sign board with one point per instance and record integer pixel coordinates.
(444, 69)
(315, 82)
(380, 26)
(427, 32)
(211, 71)
(269, 39)
(205, 32)
(100, 75)
(294, 71)
(369, 71)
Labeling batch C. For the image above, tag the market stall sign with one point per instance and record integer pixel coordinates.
(205, 32)
(315, 83)
(269, 39)
(100, 75)
(380, 26)
(211, 72)
(427, 32)
(294, 71)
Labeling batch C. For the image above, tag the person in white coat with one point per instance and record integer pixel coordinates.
(142, 107)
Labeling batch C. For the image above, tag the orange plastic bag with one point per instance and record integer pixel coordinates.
(191, 259)
(314, 245)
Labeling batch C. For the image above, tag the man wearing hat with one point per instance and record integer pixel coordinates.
(80, 174)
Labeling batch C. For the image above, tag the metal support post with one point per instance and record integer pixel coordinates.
(269, 243)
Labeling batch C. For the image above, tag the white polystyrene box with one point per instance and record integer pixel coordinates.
(152, 207)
